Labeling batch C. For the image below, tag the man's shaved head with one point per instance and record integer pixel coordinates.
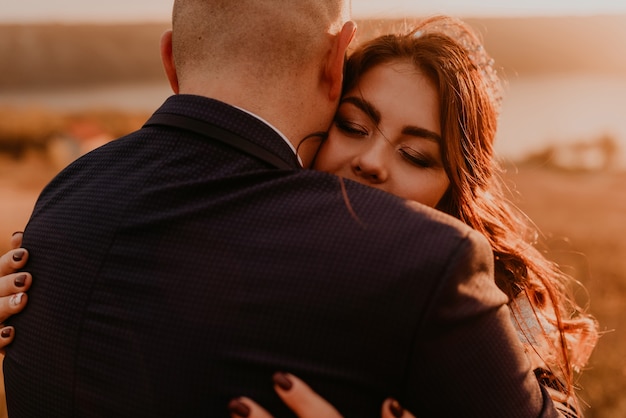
(266, 37)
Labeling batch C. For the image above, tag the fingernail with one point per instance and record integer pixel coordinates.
(238, 408)
(16, 299)
(20, 280)
(17, 232)
(18, 255)
(396, 409)
(281, 380)
(6, 332)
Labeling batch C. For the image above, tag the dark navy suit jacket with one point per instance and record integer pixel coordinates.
(172, 273)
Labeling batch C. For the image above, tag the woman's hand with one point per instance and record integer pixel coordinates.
(302, 400)
(13, 286)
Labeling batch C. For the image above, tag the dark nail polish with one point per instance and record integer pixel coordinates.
(17, 232)
(238, 408)
(18, 255)
(6, 332)
(396, 409)
(20, 280)
(281, 380)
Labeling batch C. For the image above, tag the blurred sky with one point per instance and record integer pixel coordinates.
(159, 10)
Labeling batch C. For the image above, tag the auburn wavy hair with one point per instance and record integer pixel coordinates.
(451, 55)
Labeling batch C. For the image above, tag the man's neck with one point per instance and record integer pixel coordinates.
(287, 141)
(293, 112)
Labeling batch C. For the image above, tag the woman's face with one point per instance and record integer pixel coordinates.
(386, 135)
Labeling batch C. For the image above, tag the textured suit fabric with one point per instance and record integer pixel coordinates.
(172, 273)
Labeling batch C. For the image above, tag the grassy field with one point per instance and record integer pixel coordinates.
(581, 214)
(583, 217)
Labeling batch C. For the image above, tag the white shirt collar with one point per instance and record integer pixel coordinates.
(275, 129)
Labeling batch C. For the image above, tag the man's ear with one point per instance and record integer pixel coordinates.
(334, 69)
(168, 60)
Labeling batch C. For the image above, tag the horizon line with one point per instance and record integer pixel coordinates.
(159, 20)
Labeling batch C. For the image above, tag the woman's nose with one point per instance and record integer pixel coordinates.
(370, 164)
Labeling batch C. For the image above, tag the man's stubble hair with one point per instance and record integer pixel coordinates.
(267, 38)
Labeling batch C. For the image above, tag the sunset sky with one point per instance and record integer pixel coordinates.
(159, 10)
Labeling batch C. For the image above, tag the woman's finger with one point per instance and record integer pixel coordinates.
(11, 284)
(16, 239)
(10, 305)
(304, 402)
(392, 409)
(301, 398)
(13, 260)
(246, 408)
(6, 337)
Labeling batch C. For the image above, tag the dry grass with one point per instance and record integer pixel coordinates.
(581, 214)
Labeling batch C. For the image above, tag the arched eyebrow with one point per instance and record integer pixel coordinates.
(370, 110)
(422, 133)
(365, 106)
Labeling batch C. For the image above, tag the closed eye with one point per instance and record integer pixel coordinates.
(415, 157)
(351, 128)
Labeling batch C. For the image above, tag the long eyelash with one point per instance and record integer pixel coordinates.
(349, 127)
(415, 158)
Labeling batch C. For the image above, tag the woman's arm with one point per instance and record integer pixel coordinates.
(302, 400)
(13, 287)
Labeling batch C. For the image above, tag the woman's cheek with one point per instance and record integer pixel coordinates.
(328, 158)
(324, 164)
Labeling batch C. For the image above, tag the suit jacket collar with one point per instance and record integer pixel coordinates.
(233, 119)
